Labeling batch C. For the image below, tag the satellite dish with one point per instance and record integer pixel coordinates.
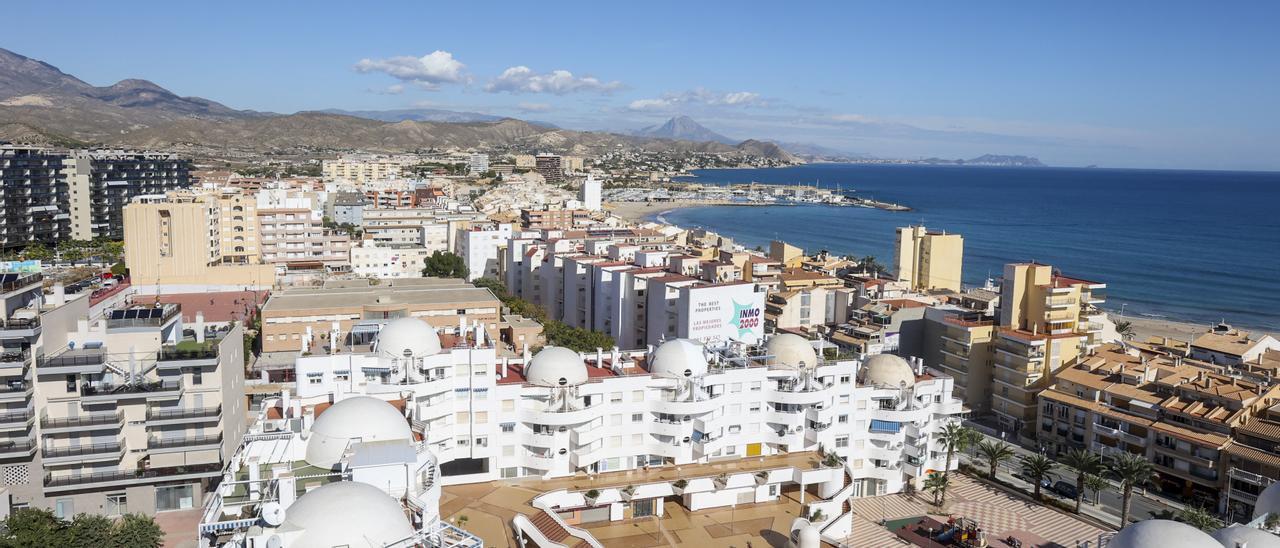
(273, 515)
(275, 542)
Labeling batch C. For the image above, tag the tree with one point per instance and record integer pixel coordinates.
(33, 528)
(1085, 463)
(90, 531)
(443, 264)
(1037, 468)
(1199, 518)
(1130, 470)
(1097, 484)
(1125, 329)
(995, 452)
(955, 437)
(937, 484)
(37, 252)
(137, 531)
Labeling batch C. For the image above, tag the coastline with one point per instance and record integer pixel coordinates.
(1143, 327)
(640, 212)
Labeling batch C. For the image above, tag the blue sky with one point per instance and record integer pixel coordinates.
(1124, 84)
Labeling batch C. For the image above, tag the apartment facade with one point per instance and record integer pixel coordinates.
(388, 261)
(479, 247)
(549, 166)
(1179, 414)
(115, 414)
(180, 240)
(554, 219)
(929, 260)
(365, 168)
(34, 197)
(101, 182)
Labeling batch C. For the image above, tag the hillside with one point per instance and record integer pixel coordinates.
(683, 128)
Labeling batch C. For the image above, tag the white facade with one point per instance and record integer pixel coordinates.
(388, 261)
(591, 194)
(478, 246)
(477, 164)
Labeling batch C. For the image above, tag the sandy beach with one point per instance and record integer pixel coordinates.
(1144, 328)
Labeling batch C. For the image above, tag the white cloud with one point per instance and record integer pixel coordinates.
(533, 107)
(428, 71)
(393, 89)
(699, 96)
(853, 118)
(522, 79)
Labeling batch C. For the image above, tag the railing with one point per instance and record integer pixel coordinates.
(16, 416)
(133, 388)
(80, 450)
(13, 387)
(63, 360)
(169, 313)
(95, 419)
(21, 282)
(168, 414)
(22, 445)
(15, 356)
(19, 323)
(124, 475)
(169, 443)
(172, 353)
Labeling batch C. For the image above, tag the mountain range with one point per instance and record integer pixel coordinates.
(40, 103)
(683, 128)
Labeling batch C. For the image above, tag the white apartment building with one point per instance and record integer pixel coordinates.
(477, 164)
(591, 193)
(559, 413)
(478, 246)
(374, 260)
(292, 233)
(362, 168)
(431, 228)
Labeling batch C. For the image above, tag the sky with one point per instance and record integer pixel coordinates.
(1117, 84)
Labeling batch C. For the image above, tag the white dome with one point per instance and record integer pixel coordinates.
(1268, 501)
(1161, 533)
(791, 350)
(887, 370)
(556, 366)
(1240, 535)
(408, 337)
(345, 513)
(678, 358)
(359, 418)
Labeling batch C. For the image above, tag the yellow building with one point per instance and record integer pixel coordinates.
(789, 255)
(929, 260)
(179, 240)
(1046, 322)
(964, 347)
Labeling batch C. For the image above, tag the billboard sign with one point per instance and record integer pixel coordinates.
(722, 312)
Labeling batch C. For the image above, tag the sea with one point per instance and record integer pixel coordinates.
(1197, 246)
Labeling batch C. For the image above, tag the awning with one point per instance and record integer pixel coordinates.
(885, 426)
(366, 328)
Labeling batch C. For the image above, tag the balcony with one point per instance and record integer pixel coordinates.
(157, 416)
(13, 328)
(187, 354)
(92, 421)
(15, 391)
(102, 392)
(73, 362)
(189, 443)
(14, 357)
(14, 282)
(17, 420)
(115, 478)
(17, 448)
(95, 452)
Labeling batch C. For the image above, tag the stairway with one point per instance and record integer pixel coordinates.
(549, 527)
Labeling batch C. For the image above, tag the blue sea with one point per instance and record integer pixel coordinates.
(1200, 246)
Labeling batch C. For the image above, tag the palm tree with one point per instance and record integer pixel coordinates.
(1199, 518)
(1124, 328)
(1085, 463)
(1097, 484)
(937, 484)
(1130, 470)
(955, 437)
(1037, 467)
(995, 452)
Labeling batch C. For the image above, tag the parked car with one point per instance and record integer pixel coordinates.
(1065, 489)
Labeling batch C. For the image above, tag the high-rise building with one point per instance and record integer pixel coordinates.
(548, 165)
(590, 195)
(204, 241)
(477, 163)
(33, 197)
(929, 260)
(101, 183)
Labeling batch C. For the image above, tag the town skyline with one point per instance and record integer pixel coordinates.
(946, 82)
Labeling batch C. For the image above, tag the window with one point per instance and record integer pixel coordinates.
(508, 427)
(615, 397)
(482, 417)
(637, 395)
(735, 387)
(843, 419)
(482, 441)
(508, 405)
(71, 383)
(197, 376)
(754, 408)
(311, 380)
(175, 497)
(637, 417)
(755, 386)
(844, 379)
(64, 509)
(842, 441)
(508, 450)
(117, 504)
